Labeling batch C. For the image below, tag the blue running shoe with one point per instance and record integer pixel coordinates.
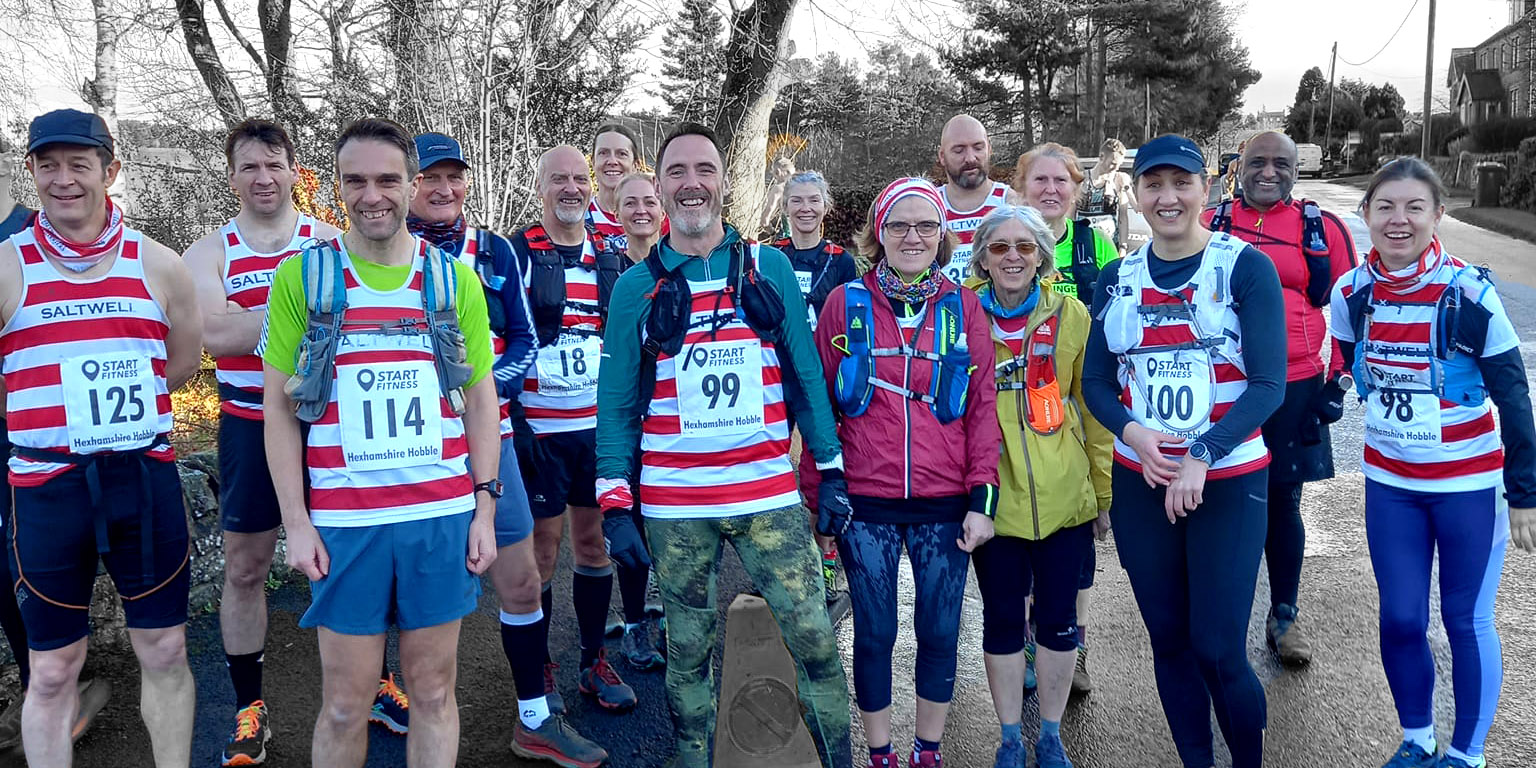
(1446, 761)
(1410, 755)
(391, 707)
(1029, 666)
(1010, 755)
(1049, 753)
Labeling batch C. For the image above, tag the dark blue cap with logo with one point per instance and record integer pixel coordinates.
(434, 148)
(68, 126)
(1169, 149)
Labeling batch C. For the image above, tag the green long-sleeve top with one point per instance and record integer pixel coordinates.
(619, 409)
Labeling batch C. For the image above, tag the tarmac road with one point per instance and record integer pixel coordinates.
(1338, 712)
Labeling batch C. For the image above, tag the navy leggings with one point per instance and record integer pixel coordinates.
(1194, 583)
(871, 554)
(1006, 563)
(1471, 532)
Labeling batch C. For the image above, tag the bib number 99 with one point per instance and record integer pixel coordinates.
(715, 387)
(118, 399)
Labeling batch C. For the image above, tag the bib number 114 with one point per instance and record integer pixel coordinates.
(394, 422)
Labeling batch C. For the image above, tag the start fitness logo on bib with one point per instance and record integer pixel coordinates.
(108, 401)
(720, 388)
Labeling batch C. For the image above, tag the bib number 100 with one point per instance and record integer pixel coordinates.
(117, 400)
(410, 419)
(1170, 402)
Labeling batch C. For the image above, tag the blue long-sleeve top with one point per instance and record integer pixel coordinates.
(516, 323)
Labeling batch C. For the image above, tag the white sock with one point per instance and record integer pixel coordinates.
(533, 712)
(1475, 762)
(1423, 738)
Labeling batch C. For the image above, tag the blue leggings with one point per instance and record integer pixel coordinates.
(870, 553)
(1471, 531)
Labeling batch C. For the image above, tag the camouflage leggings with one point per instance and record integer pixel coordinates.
(778, 553)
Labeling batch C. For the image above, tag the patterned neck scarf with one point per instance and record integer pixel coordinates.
(1412, 278)
(924, 288)
(78, 257)
(995, 308)
(445, 235)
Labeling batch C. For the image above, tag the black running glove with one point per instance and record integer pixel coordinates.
(833, 512)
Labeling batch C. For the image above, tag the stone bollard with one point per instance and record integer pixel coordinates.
(759, 723)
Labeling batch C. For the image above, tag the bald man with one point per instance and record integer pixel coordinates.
(1311, 248)
(569, 272)
(965, 153)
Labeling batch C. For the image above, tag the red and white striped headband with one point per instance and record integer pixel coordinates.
(904, 188)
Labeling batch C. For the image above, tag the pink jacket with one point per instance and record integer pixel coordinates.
(898, 448)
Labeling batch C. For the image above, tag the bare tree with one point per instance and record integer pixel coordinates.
(755, 58)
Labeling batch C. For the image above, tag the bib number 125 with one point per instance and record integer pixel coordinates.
(125, 403)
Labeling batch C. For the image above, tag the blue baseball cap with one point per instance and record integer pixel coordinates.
(1169, 149)
(68, 126)
(434, 148)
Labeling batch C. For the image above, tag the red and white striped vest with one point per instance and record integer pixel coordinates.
(560, 388)
(374, 457)
(84, 362)
(1181, 364)
(964, 223)
(715, 440)
(247, 279)
(467, 254)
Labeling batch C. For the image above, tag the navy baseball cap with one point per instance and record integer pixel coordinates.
(434, 148)
(1169, 149)
(68, 126)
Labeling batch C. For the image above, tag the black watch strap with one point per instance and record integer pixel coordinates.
(492, 486)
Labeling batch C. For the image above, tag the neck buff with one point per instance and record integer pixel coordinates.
(438, 233)
(1412, 278)
(925, 287)
(78, 257)
(995, 308)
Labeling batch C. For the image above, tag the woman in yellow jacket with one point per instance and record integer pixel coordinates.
(1054, 476)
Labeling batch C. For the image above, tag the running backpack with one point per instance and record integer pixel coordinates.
(325, 301)
(546, 285)
(1085, 263)
(1314, 247)
(856, 380)
(1456, 338)
(1044, 407)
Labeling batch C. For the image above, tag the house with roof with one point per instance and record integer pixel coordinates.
(1494, 77)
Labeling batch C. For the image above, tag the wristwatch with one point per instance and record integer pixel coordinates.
(1200, 452)
(492, 486)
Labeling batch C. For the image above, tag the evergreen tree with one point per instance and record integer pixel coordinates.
(694, 68)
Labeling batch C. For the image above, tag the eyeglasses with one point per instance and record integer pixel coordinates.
(901, 228)
(1024, 247)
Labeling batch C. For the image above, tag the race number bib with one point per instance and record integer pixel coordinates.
(568, 368)
(1173, 392)
(959, 267)
(1409, 418)
(390, 415)
(720, 388)
(109, 402)
(805, 281)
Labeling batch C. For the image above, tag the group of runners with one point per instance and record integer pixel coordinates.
(417, 403)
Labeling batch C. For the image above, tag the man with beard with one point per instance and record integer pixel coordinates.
(707, 348)
(390, 368)
(1311, 248)
(232, 270)
(570, 273)
(437, 216)
(965, 154)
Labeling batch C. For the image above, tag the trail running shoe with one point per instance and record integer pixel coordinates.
(1049, 753)
(1410, 755)
(1081, 682)
(603, 684)
(1010, 755)
(552, 697)
(10, 726)
(1029, 666)
(248, 744)
(557, 742)
(652, 595)
(1446, 761)
(391, 707)
(829, 576)
(94, 694)
(884, 760)
(928, 758)
(640, 646)
(1287, 643)
(615, 626)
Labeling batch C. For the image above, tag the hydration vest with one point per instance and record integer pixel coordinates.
(1085, 262)
(1314, 247)
(1453, 349)
(325, 301)
(1034, 373)
(485, 266)
(1210, 305)
(856, 378)
(546, 287)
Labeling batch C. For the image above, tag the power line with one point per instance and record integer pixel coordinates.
(1389, 40)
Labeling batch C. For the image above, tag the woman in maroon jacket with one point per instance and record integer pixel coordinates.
(909, 358)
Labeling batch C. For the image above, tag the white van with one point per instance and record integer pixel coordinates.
(1309, 160)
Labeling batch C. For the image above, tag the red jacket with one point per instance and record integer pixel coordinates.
(1277, 232)
(898, 448)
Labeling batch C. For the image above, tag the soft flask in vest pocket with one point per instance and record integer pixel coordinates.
(953, 370)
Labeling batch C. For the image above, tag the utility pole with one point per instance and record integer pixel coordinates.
(1328, 129)
(1429, 83)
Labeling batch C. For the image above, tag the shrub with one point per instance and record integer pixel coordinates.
(1520, 186)
(1502, 134)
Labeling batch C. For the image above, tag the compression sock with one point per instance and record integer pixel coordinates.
(546, 603)
(245, 673)
(632, 592)
(591, 591)
(520, 638)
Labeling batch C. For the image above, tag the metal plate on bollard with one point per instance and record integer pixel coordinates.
(759, 723)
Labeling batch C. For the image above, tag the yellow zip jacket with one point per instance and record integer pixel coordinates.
(1051, 482)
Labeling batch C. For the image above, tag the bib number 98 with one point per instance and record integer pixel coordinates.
(1397, 406)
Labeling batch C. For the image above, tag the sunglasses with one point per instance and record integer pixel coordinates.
(1024, 247)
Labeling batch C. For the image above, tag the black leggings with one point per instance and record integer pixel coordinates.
(10, 613)
(1006, 563)
(1194, 583)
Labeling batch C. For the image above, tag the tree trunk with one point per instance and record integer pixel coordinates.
(100, 92)
(754, 72)
(1101, 90)
(276, 23)
(194, 26)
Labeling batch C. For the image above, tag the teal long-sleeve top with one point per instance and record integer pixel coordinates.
(619, 409)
